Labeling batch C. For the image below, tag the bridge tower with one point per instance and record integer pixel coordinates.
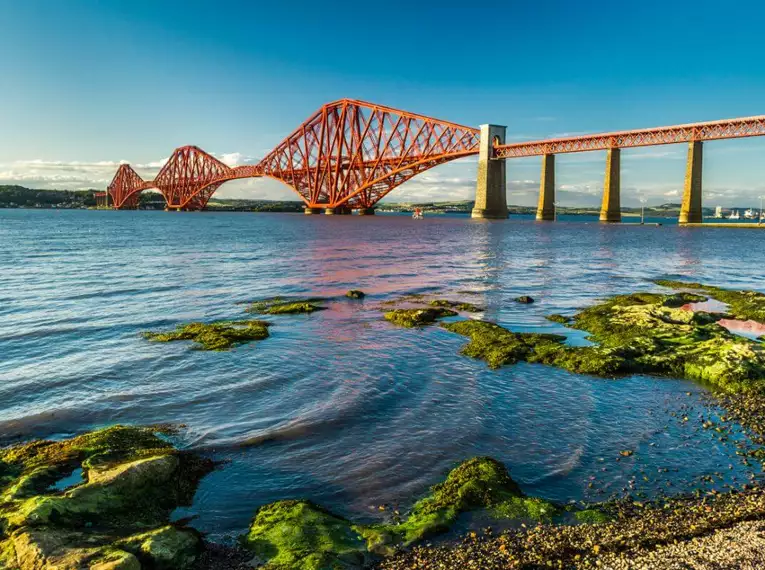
(690, 211)
(546, 206)
(490, 192)
(611, 210)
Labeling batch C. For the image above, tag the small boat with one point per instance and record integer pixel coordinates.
(417, 215)
(750, 214)
(734, 215)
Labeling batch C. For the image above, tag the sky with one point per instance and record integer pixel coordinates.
(85, 85)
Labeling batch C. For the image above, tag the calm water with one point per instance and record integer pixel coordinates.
(339, 406)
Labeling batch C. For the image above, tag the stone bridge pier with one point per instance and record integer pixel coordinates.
(491, 192)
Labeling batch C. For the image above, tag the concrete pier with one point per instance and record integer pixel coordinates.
(611, 210)
(690, 211)
(490, 192)
(546, 207)
(366, 211)
(339, 211)
(312, 211)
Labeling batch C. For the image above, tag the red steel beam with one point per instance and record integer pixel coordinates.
(351, 154)
(712, 130)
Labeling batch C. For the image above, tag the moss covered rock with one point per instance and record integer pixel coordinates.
(458, 305)
(417, 317)
(284, 306)
(302, 536)
(116, 518)
(746, 305)
(638, 333)
(220, 335)
(497, 345)
(298, 535)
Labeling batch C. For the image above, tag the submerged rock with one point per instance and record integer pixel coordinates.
(282, 306)
(220, 335)
(300, 535)
(117, 518)
(417, 317)
(525, 299)
(355, 294)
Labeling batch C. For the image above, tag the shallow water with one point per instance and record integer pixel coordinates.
(339, 406)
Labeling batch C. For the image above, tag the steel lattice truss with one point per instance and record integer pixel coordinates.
(714, 130)
(352, 153)
(348, 154)
(125, 187)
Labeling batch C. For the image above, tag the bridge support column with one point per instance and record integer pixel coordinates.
(311, 211)
(690, 211)
(339, 211)
(611, 210)
(366, 211)
(546, 207)
(490, 192)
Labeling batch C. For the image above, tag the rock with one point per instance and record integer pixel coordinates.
(46, 548)
(525, 299)
(135, 487)
(167, 548)
(459, 305)
(497, 345)
(637, 333)
(220, 335)
(355, 294)
(116, 560)
(299, 534)
(116, 519)
(282, 306)
(417, 317)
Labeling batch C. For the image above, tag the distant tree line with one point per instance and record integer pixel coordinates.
(20, 197)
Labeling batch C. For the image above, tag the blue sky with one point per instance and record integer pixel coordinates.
(86, 84)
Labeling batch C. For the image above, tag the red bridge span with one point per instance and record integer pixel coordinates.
(350, 154)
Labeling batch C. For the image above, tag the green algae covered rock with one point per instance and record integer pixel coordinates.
(298, 535)
(638, 333)
(116, 518)
(497, 345)
(458, 305)
(417, 317)
(746, 305)
(652, 335)
(220, 335)
(592, 516)
(283, 306)
(166, 548)
(301, 535)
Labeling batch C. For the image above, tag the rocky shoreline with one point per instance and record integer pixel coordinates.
(104, 500)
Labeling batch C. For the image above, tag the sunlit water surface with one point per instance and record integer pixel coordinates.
(339, 406)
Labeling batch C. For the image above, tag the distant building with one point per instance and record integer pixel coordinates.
(718, 212)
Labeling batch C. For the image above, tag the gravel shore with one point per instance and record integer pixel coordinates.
(714, 532)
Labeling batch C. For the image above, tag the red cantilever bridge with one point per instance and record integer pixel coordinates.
(350, 154)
